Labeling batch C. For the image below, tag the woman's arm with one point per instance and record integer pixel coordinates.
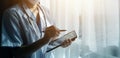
(28, 49)
(12, 27)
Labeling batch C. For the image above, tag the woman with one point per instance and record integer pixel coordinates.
(28, 31)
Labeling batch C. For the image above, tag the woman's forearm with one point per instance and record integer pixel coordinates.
(28, 49)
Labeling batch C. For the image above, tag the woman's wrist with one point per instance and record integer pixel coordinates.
(46, 39)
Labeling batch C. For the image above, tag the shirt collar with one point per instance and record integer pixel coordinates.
(28, 12)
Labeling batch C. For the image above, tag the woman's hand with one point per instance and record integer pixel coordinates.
(67, 42)
(51, 33)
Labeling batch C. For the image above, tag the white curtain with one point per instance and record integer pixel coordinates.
(97, 21)
(100, 28)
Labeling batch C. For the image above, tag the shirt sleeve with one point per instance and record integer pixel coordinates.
(11, 29)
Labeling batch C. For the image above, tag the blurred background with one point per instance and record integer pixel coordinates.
(96, 23)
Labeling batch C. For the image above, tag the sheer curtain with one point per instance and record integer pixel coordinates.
(100, 28)
(96, 23)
